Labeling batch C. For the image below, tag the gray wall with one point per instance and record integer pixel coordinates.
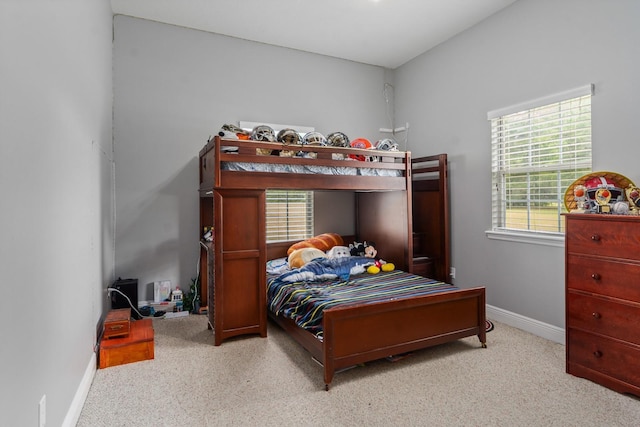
(56, 251)
(531, 49)
(173, 88)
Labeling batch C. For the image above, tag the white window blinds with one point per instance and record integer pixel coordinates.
(538, 149)
(289, 215)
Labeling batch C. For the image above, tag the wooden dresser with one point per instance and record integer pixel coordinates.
(602, 279)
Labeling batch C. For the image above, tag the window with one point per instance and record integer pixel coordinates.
(537, 150)
(289, 215)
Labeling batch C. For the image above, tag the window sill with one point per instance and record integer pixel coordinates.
(531, 238)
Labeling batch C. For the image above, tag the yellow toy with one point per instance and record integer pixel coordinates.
(381, 265)
(373, 269)
(368, 250)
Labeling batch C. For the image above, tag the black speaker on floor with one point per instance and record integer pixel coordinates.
(128, 287)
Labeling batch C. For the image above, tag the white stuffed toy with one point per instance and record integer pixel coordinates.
(227, 134)
(231, 131)
(338, 252)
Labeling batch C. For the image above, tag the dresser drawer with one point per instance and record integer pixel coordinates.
(603, 316)
(607, 237)
(611, 278)
(603, 356)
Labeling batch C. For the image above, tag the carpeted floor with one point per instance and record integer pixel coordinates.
(518, 380)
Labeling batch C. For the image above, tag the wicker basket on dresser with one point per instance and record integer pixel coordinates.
(603, 299)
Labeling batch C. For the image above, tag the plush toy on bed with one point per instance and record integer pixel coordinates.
(363, 249)
(368, 249)
(338, 252)
(356, 249)
(380, 265)
(301, 253)
(324, 242)
(303, 256)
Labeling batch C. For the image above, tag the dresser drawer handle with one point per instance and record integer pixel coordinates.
(595, 237)
(596, 315)
(596, 276)
(597, 353)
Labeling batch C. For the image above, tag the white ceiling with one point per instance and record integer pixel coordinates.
(387, 33)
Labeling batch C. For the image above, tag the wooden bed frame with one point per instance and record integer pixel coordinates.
(362, 333)
(233, 268)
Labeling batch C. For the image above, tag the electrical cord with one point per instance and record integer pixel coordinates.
(195, 297)
(109, 290)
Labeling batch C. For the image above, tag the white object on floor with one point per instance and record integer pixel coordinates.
(173, 315)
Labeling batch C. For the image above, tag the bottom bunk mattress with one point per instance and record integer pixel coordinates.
(304, 301)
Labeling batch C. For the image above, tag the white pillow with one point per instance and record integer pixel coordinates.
(277, 266)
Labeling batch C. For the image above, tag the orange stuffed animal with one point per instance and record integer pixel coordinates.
(324, 242)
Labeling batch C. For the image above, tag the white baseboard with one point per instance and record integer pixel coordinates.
(533, 326)
(73, 414)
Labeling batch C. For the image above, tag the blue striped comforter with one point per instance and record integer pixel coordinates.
(304, 302)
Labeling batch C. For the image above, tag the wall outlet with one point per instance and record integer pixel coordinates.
(452, 272)
(42, 411)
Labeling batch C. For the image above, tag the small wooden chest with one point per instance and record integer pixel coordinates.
(137, 346)
(117, 323)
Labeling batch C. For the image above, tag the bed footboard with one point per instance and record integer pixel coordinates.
(363, 333)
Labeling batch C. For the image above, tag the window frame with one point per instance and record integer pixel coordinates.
(500, 231)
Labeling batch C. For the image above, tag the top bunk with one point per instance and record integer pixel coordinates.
(248, 164)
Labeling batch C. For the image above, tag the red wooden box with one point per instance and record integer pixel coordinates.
(117, 323)
(136, 346)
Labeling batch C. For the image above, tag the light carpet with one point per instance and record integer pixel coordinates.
(518, 380)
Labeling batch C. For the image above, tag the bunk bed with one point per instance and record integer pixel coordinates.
(234, 176)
